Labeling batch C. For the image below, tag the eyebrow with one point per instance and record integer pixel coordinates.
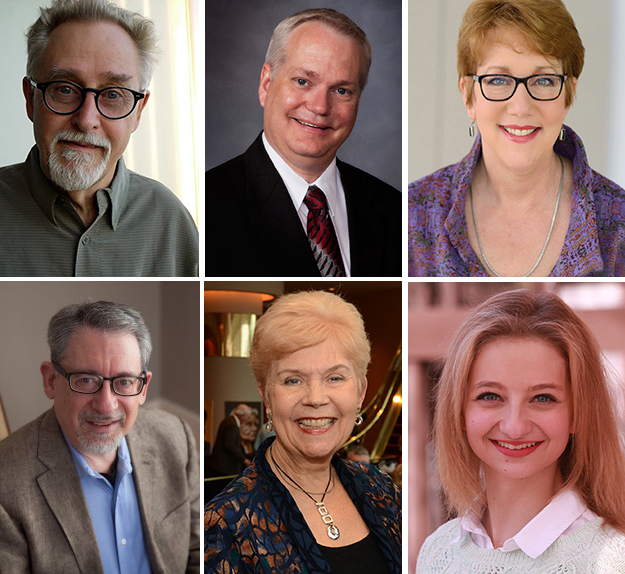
(506, 70)
(73, 74)
(299, 372)
(532, 389)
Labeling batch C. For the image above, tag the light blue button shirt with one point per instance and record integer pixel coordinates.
(114, 514)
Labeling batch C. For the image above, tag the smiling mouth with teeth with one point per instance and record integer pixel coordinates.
(310, 125)
(519, 132)
(315, 423)
(516, 447)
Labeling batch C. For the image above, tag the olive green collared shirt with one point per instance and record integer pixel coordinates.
(141, 230)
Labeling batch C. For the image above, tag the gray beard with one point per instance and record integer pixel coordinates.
(73, 170)
(100, 446)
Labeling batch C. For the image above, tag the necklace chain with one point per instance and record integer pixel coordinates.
(542, 253)
(332, 530)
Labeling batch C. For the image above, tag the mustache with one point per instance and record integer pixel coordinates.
(81, 137)
(94, 416)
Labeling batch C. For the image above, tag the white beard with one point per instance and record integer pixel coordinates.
(74, 170)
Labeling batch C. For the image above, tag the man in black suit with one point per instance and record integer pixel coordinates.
(287, 206)
(228, 455)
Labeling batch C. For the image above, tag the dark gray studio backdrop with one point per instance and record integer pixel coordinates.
(237, 37)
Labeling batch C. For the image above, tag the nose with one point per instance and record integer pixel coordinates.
(316, 394)
(105, 400)
(521, 103)
(515, 423)
(319, 102)
(87, 117)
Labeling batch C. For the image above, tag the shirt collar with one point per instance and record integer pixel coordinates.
(124, 464)
(297, 186)
(46, 195)
(539, 533)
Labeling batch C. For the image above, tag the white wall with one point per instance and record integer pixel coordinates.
(26, 307)
(437, 120)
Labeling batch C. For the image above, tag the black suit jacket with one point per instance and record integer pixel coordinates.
(253, 228)
(228, 453)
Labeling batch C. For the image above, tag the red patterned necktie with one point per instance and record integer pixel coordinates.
(322, 236)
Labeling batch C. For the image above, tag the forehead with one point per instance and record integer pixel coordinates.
(88, 346)
(93, 51)
(316, 44)
(507, 46)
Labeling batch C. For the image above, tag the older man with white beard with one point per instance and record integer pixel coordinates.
(97, 484)
(73, 208)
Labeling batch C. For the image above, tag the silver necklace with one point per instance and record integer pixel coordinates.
(332, 530)
(553, 220)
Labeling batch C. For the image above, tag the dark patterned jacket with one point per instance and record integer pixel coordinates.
(255, 526)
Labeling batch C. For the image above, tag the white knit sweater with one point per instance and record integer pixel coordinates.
(589, 550)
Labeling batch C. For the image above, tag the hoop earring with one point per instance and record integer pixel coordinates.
(562, 134)
(359, 418)
(269, 425)
(472, 129)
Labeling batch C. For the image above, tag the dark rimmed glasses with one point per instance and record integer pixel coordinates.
(501, 87)
(64, 98)
(89, 383)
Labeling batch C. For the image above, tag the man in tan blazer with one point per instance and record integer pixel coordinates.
(95, 485)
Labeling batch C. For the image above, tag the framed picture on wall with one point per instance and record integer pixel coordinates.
(4, 424)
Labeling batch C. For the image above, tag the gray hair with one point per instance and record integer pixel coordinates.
(140, 29)
(102, 316)
(276, 53)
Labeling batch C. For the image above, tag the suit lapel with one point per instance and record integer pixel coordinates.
(61, 489)
(142, 454)
(272, 213)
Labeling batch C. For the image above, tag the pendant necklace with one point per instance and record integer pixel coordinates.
(332, 530)
(553, 220)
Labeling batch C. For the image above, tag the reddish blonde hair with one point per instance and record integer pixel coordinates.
(547, 26)
(593, 461)
(300, 320)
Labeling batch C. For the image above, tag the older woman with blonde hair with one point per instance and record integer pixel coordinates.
(527, 445)
(524, 202)
(299, 507)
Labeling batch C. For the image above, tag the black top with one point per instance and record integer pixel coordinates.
(362, 557)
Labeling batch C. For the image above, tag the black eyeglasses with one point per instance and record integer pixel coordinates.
(88, 383)
(541, 87)
(64, 98)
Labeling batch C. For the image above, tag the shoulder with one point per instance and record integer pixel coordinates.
(608, 197)
(154, 191)
(436, 549)
(19, 451)
(239, 504)
(13, 173)
(352, 176)
(434, 189)
(167, 431)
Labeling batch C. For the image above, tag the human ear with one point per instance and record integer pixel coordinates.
(29, 94)
(465, 85)
(48, 373)
(265, 80)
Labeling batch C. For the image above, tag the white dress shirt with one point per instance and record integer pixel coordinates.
(330, 183)
(565, 514)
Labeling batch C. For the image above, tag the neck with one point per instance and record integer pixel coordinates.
(310, 474)
(512, 503)
(101, 462)
(85, 204)
(519, 186)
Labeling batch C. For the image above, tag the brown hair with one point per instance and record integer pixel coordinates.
(593, 461)
(547, 26)
(300, 320)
